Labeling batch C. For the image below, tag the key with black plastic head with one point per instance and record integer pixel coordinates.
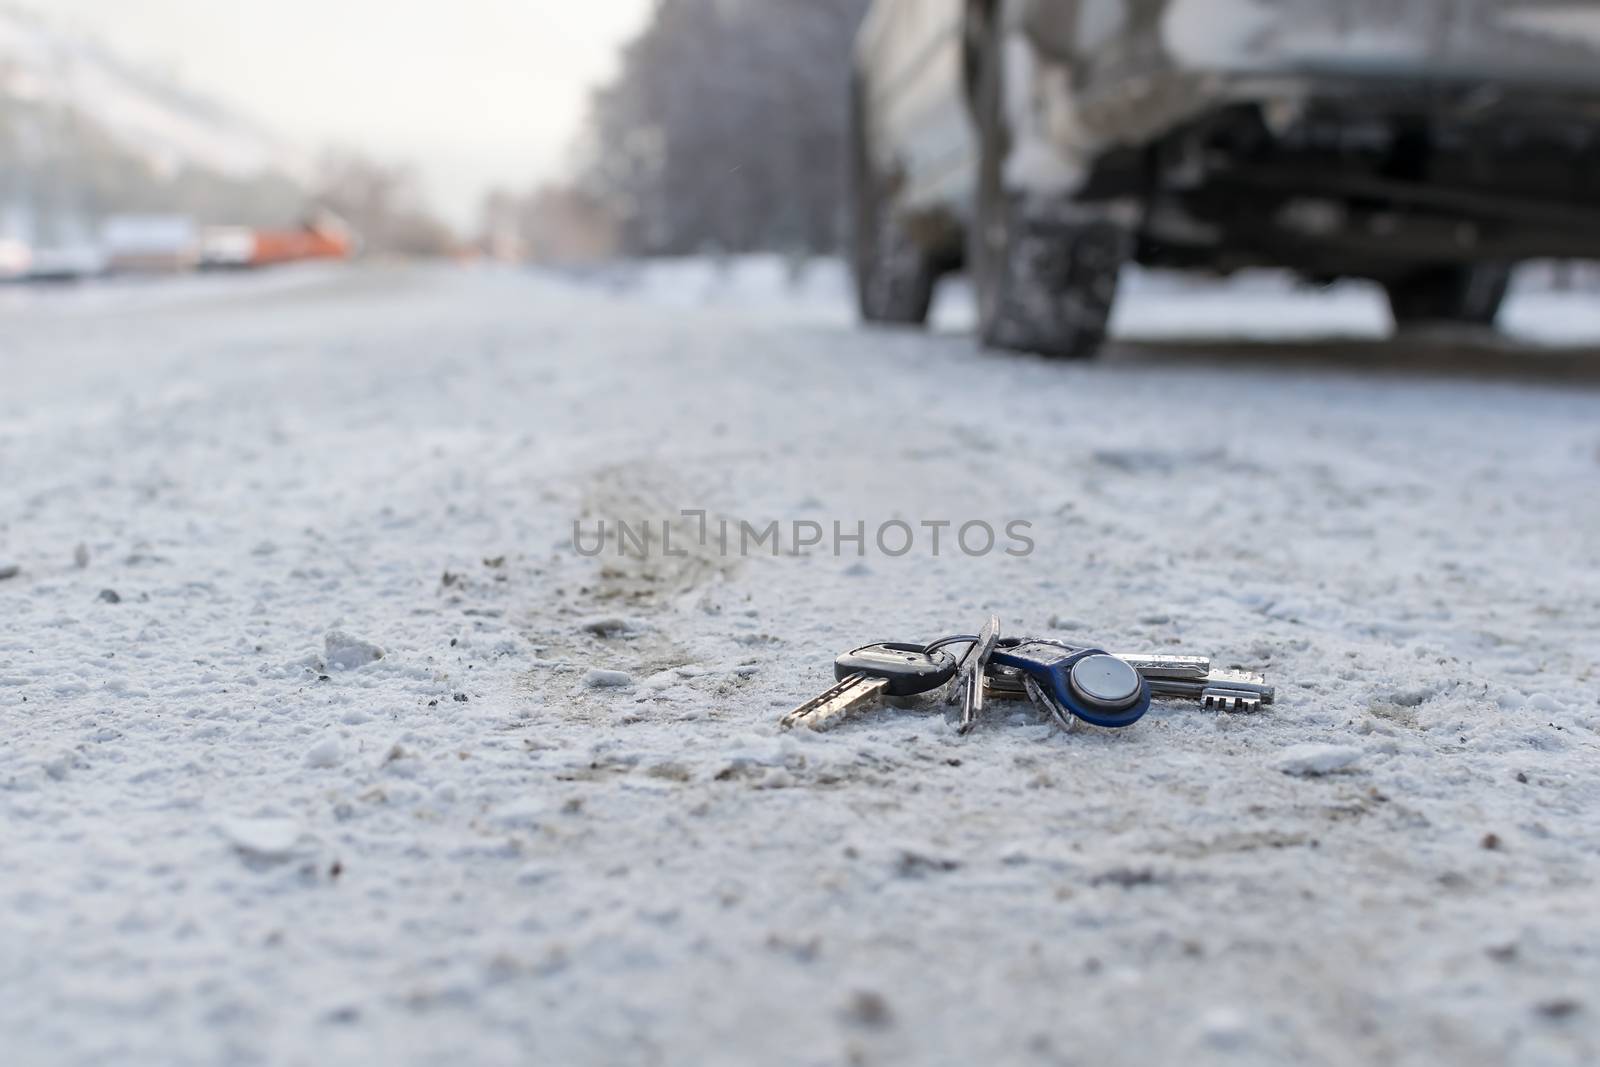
(1088, 683)
(866, 674)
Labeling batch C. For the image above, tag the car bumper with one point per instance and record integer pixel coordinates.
(1139, 72)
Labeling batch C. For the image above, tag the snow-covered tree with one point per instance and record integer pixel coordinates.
(726, 127)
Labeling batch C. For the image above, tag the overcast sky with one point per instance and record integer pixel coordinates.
(475, 92)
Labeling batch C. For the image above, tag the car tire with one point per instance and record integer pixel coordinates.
(1467, 295)
(894, 275)
(1044, 269)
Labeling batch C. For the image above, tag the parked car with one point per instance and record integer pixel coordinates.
(1428, 145)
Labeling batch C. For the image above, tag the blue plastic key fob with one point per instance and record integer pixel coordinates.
(1094, 685)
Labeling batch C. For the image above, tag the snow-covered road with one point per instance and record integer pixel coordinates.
(232, 835)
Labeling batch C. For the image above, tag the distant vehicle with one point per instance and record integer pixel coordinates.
(150, 243)
(1428, 145)
(65, 262)
(55, 243)
(15, 259)
(227, 246)
(325, 236)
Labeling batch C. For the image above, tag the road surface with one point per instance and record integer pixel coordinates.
(235, 832)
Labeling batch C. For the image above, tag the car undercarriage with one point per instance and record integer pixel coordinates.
(1366, 184)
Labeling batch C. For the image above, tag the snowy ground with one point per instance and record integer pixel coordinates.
(232, 836)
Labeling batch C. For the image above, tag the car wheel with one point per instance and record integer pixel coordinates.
(894, 275)
(1044, 269)
(1470, 295)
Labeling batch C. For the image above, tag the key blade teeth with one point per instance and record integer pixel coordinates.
(1230, 700)
(833, 702)
(798, 715)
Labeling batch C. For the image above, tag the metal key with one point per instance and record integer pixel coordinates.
(1045, 703)
(1169, 675)
(970, 678)
(890, 668)
(1091, 684)
(1154, 665)
(1194, 677)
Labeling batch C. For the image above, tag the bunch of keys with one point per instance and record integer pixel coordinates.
(1068, 683)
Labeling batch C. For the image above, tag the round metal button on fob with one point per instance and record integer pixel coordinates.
(1104, 681)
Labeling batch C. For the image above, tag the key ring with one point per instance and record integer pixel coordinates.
(953, 639)
(971, 641)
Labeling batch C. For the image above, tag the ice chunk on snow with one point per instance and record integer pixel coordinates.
(263, 838)
(347, 652)
(1224, 1028)
(325, 753)
(600, 678)
(1313, 759)
(523, 814)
